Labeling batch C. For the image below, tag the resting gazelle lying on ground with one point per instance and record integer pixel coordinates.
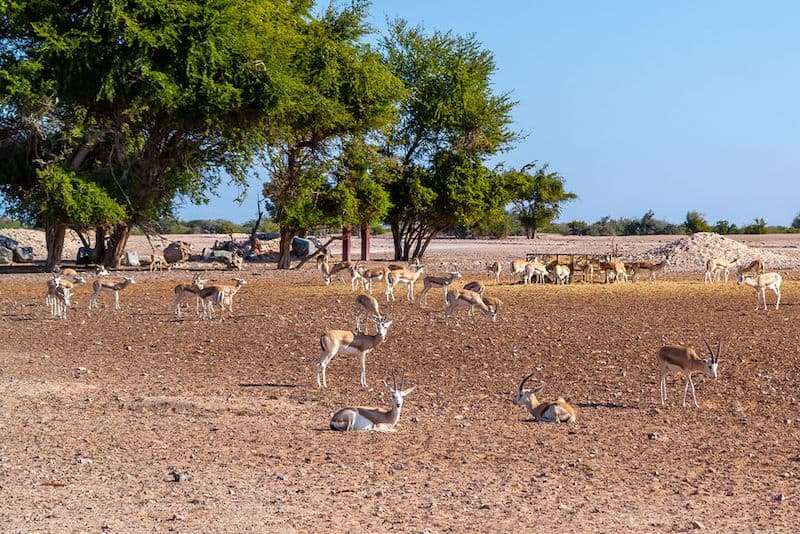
(685, 360)
(558, 411)
(377, 419)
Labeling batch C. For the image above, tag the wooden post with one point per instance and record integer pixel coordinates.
(346, 243)
(366, 237)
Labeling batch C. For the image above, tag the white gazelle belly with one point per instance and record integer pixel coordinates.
(362, 423)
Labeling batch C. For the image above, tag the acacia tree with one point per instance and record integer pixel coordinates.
(343, 90)
(448, 125)
(537, 196)
(148, 101)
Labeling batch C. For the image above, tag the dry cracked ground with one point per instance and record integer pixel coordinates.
(136, 420)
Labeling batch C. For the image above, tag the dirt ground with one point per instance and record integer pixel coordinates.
(136, 420)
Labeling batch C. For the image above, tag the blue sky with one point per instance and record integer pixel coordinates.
(663, 106)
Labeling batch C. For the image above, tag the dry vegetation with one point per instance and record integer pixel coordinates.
(135, 420)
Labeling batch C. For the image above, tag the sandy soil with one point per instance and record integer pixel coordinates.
(135, 420)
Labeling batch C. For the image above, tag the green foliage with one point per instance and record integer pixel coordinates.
(150, 101)
(450, 122)
(724, 227)
(695, 222)
(537, 196)
(759, 226)
(70, 198)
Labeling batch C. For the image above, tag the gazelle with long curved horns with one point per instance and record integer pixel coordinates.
(334, 341)
(558, 411)
(761, 283)
(685, 360)
(377, 419)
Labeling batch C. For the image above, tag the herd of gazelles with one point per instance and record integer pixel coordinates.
(670, 359)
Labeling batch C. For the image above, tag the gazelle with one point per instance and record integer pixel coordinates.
(534, 270)
(59, 281)
(115, 287)
(158, 263)
(475, 286)
(65, 272)
(374, 275)
(357, 277)
(339, 269)
(494, 271)
(761, 283)
(58, 295)
(465, 298)
(558, 411)
(437, 282)
(756, 267)
(716, 265)
(560, 274)
(368, 305)
(650, 266)
(377, 419)
(183, 291)
(402, 276)
(334, 341)
(685, 360)
(518, 268)
(100, 270)
(61, 296)
(219, 295)
(615, 268)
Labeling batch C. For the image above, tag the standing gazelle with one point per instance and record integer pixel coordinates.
(558, 411)
(437, 282)
(377, 419)
(104, 285)
(674, 359)
(494, 271)
(762, 282)
(334, 341)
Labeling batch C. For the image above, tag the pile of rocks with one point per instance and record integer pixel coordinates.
(690, 253)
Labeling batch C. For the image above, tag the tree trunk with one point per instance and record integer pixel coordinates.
(397, 238)
(99, 244)
(117, 242)
(285, 259)
(347, 242)
(366, 237)
(54, 232)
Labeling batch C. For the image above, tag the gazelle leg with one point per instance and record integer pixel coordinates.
(694, 398)
(778, 303)
(116, 300)
(363, 358)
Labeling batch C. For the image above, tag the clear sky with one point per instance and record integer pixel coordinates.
(663, 106)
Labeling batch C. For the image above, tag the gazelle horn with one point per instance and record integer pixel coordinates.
(711, 352)
(522, 384)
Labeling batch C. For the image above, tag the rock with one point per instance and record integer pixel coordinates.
(6, 255)
(131, 258)
(697, 525)
(8, 243)
(177, 251)
(302, 247)
(23, 254)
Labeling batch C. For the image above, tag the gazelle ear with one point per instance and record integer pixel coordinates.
(407, 391)
(388, 387)
(537, 389)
